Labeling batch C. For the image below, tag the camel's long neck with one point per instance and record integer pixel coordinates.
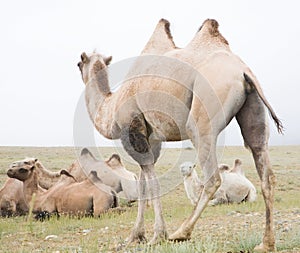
(98, 100)
(46, 177)
(30, 186)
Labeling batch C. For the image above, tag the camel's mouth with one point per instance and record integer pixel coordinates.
(80, 64)
(10, 173)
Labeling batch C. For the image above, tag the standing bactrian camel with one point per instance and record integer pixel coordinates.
(189, 93)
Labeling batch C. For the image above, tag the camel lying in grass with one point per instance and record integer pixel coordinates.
(89, 197)
(12, 200)
(111, 172)
(235, 187)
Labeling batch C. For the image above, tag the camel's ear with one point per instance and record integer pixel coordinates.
(107, 60)
(35, 160)
(194, 166)
(84, 58)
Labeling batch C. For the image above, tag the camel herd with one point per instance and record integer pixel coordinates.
(90, 186)
(169, 94)
(87, 187)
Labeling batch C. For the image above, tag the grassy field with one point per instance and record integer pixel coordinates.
(226, 228)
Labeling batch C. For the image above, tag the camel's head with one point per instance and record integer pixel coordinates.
(92, 64)
(187, 168)
(22, 169)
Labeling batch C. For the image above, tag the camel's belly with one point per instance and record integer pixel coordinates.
(167, 127)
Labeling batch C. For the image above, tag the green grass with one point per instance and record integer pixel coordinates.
(226, 228)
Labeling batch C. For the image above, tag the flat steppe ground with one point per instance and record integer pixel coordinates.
(224, 228)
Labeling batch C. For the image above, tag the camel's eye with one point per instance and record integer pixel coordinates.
(27, 163)
(22, 170)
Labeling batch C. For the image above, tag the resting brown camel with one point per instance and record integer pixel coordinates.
(189, 93)
(67, 196)
(111, 172)
(12, 200)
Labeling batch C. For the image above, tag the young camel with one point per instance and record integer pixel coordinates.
(191, 181)
(67, 196)
(235, 187)
(189, 93)
(12, 200)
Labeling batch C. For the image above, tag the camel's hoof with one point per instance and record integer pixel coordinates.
(261, 248)
(136, 237)
(179, 237)
(158, 238)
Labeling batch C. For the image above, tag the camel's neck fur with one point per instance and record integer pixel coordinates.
(30, 186)
(98, 99)
(46, 178)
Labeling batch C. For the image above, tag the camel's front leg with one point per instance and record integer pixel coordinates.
(145, 152)
(160, 232)
(138, 231)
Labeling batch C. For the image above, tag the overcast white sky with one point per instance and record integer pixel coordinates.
(41, 42)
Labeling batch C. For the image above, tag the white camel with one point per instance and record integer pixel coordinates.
(191, 181)
(235, 187)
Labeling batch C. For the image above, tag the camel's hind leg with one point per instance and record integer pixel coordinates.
(205, 142)
(254, 128)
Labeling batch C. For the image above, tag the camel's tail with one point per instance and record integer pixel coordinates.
(252, 81)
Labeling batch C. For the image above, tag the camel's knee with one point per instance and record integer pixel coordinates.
(212, 184)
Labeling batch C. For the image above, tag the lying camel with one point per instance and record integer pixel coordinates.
(12, 200)
(111, 172)
(235, 187)
(67, 196)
